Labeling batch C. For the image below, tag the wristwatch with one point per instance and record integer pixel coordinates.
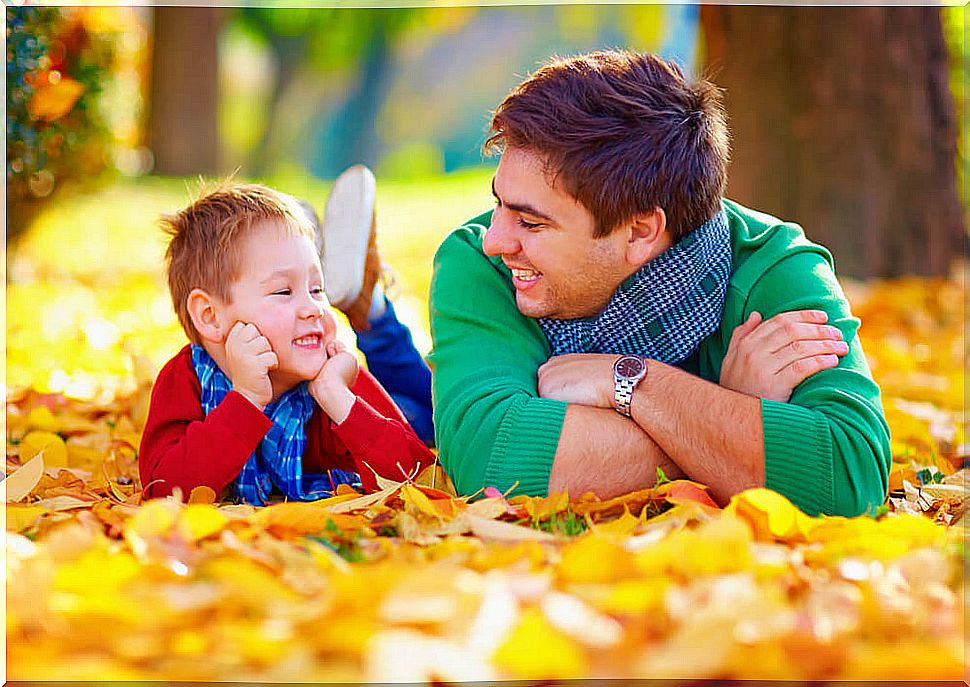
(628, 371)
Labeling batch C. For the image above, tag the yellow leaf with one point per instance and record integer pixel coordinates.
(720, 545)
(415, 500)
(59, 503)
(296, 518)
(496, 530)
(42, 418)
(771, 516)
(634, 596)
(152, 519)
(55, 452)
(535, 650)
(19, 483)
(434, 476)
(551, 505)
(19, 518)
(595, 558)
(622, 526)
(197, 521)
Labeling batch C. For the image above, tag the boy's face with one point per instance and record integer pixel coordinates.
(280, 290)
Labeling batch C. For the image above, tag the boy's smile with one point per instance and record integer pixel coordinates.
(279, 289)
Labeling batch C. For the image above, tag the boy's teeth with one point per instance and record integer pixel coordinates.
(525, 275)
(307, 340)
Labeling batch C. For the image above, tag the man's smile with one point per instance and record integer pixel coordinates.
(524, 278)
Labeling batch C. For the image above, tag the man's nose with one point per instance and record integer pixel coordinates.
(499, 239)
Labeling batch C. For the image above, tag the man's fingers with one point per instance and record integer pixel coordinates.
(806, 348)
(803, 368)
(748, 326)
(776, 336)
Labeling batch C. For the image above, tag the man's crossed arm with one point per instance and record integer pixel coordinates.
(681, 423)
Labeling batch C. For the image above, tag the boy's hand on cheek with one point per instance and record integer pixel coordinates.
(249, 358)
(331, 387)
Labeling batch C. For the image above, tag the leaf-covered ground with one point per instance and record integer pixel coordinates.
(414, 584)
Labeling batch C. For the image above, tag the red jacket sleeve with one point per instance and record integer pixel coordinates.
(182, 447)
(377, 435)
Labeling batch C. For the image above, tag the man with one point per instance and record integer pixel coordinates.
(740, 366)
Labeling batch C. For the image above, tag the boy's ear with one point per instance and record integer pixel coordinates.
(648, 237)
(204, 311)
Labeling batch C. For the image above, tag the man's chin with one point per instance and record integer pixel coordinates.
(531, 308)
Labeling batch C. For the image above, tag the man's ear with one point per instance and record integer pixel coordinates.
(204, 311)
(648, 237)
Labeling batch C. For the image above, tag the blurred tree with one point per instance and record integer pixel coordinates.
(57, 62)
(842, 120)
(183, 131)
(354, 43)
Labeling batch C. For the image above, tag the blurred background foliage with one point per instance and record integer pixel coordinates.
(292, 96)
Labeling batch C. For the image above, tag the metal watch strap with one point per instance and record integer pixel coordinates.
(623, 395)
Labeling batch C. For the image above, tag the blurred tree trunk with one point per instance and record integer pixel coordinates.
(356, 137)
(183, 130)
(842, 121)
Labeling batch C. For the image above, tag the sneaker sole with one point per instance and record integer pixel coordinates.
(347, 223)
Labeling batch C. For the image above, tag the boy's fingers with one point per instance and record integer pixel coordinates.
(268, 360)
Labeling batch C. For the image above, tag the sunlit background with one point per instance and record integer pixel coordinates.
(850, 121)
(114, 113)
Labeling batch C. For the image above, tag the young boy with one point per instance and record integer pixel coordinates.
(265, 399)
(354, 283)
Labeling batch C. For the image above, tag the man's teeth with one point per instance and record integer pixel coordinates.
(525, 275)
(307, 340)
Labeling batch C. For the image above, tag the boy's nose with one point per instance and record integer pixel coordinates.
(311, 308)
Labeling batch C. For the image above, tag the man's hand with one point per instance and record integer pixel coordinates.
(249, 358)
(768, 359)
(331, 387)
(584, 378)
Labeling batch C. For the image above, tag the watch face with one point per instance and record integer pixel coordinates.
(629, 367)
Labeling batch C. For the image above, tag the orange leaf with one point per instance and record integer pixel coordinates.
(51, 101)
(685, 490)
(202, 494)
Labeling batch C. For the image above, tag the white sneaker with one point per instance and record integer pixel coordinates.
(348, 225)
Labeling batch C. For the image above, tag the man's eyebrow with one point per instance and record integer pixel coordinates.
(526, 209)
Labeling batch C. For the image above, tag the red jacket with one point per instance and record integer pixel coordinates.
(183, 447)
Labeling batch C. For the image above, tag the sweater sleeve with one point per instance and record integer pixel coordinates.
(378, 436)
(491, 427)
(827, 448)
(182, 447)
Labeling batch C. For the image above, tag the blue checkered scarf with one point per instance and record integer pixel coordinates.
(278, 460)
(665, 309)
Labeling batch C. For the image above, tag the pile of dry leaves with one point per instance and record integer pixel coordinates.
(413, 583)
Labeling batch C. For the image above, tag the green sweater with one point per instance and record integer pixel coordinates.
(826, 449)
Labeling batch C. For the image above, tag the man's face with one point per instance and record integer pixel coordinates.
(280, 290)
(545, 236)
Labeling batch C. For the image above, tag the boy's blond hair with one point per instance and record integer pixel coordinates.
(203, 252)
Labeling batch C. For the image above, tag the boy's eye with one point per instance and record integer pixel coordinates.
(281, 292)
(317, 290)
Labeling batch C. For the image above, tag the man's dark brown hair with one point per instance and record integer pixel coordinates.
(624, 133)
